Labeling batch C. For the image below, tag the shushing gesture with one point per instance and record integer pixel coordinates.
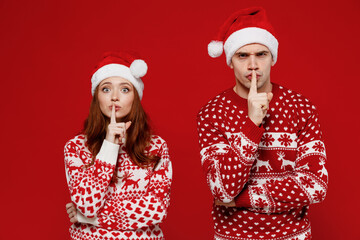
(258, 103)
(116, 132)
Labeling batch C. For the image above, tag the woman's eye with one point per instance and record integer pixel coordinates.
(106, 89)
(125, 90)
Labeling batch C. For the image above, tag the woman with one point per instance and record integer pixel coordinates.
(119, 175)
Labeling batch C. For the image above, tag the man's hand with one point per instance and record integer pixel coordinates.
(258, 103)
(116, 132)
(230, 204)
(71, 210)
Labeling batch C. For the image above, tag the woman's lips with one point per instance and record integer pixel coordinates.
(116, 108)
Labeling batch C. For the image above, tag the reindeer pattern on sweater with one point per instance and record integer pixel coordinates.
(273, 172)
(133, 207)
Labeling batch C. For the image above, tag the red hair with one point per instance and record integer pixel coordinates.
(138, 134)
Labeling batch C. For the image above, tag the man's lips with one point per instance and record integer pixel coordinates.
(249, 76)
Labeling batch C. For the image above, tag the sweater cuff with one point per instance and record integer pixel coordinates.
(251, 131)
(109, 152)
(243, 199)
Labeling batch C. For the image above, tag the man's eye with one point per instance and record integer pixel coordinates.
(243, 55)
(262, 54)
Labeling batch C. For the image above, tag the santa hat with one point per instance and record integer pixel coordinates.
(244, 27)
(120, 64)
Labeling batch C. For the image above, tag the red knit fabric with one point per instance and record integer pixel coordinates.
(130, 209)
(119, 57)
(245, 18)
(274, 172)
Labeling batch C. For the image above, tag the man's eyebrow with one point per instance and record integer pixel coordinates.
(242, 53)
(261, 51)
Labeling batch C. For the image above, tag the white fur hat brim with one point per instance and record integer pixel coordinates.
(118, 70)
(247, 36)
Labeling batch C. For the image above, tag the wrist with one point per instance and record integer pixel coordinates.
(110, 138)
(256, 122)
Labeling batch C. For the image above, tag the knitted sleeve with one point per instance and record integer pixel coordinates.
(88, 185)
(143, 211)
(227, 156)
(307, 184)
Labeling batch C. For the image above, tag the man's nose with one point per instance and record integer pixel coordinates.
(252, 63)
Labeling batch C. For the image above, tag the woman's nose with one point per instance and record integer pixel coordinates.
(114, 97)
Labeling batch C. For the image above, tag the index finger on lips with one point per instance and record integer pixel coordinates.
(113, 117)
(253, 86)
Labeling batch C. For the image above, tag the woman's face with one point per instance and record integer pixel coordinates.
(117, 91)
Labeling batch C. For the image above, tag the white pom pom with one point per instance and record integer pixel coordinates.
(138, 68)
(215, 49)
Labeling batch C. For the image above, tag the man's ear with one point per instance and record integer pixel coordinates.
(272, 62)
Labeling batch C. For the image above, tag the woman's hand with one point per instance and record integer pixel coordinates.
(71, 210)
(116, 132)
(230, 204)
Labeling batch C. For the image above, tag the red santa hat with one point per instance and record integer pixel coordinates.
(120, 64)
(244, 27)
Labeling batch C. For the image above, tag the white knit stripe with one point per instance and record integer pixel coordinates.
(222, 148)
(311, 148)
(278, 140)
(87, 232)
(310, 190)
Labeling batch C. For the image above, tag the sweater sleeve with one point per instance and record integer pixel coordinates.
(88, 184)
(227, 157)
(150, 208)
(307, 184)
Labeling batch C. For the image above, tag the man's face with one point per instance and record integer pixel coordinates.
(248, 58)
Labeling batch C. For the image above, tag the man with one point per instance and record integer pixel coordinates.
(261, 144)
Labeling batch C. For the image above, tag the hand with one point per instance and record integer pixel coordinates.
(116, 132)
(71, 210)
(230, 204)
(258, 103)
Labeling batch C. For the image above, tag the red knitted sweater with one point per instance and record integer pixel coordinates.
(273, 172)
(132, 208)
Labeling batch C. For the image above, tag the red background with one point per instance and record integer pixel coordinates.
(49, 48)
